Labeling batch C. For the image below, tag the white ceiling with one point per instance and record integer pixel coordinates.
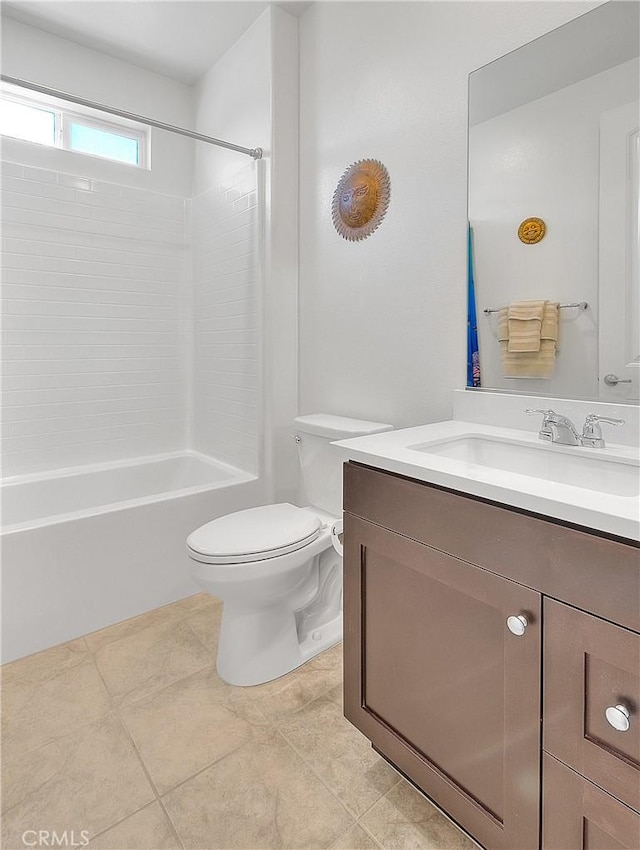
(179, 38)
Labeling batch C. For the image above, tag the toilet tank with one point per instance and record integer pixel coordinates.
(320, 462)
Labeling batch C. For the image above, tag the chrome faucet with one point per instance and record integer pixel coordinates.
(557, 428)
(560, 429)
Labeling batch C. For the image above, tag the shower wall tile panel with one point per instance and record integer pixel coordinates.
(226, 251)
(96, 321)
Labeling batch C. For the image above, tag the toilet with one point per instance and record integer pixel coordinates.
(275, 567)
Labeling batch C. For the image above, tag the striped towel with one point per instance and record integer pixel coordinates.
(525, 325)
(531, 364)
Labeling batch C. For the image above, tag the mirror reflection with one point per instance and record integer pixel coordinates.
(554, 156)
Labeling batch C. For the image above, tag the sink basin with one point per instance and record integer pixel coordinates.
(544, 461)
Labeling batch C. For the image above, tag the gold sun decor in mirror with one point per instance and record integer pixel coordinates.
(361, 199)
(532, 230)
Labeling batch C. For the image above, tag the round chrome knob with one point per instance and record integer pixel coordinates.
(614, 380)
(618, 717)
(517, 625)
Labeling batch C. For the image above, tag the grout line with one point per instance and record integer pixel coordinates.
(331, 791)
(368, 832)
(124, 726)
(122, 820)
(171, 823)
(204, 769)
(91, 401)
(115, 710)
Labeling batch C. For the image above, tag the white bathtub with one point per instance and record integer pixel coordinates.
(84, 548)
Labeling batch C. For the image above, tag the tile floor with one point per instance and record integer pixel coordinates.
(129, 734)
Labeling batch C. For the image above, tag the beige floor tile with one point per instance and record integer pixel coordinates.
(261, 796)
(291, 692)
(38, 708)
(336, 695)
(404, 820)
(135, 666)
(339, 754)
(355, 839)
(88, 780)
(43, 665)
(206, 625)
(187, 726)
(167, 613)
(148, 829)
(126, 628)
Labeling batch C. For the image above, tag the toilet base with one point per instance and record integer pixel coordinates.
(277, 614)
(254, 649)
(322, 638)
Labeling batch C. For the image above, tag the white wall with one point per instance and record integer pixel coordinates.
(543, 159)
(96, 291)
(232, 102)
(226, 315)
(40, 57)
(242, 229)
(383, 321)
(95, 327)
(251, 97)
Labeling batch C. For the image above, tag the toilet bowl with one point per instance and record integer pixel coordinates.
(277, 568)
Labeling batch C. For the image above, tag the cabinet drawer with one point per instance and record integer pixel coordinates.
(587, 570)
(591, 665)
(577, 815)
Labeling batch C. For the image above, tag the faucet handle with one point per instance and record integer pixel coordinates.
(530, 411)
(593, 417)
(592, 432)
(545, 432)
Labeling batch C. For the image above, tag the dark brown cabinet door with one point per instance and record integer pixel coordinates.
(592, 699)
(577, 815)
(435, 679)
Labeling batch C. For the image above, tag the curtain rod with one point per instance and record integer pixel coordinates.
(256, 153)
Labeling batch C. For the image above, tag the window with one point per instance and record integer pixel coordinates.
(99, 141)
(55, 126)
(27, 122)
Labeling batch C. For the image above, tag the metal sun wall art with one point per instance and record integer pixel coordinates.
(361, 199)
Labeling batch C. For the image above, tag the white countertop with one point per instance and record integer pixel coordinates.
(615, 514)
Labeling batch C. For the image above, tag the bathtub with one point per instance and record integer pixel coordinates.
(85, 548)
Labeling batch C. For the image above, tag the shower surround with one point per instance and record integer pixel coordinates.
(96, 321)
(131, 331)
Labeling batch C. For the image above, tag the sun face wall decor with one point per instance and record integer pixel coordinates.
(532, 231)
(361, 199)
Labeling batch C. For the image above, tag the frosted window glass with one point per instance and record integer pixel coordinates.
(102, 143)
(27, 122)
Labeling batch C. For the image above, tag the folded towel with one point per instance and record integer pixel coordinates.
(534, 364)
(503, 325)
(550, 321)
(525, 325)
(531, 364)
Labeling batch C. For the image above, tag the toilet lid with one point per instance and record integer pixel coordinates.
(254, 534)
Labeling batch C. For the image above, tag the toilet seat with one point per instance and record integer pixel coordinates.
(256, 534)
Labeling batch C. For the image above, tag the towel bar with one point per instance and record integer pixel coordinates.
(581, 304)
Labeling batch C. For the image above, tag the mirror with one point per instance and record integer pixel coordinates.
(554, 156)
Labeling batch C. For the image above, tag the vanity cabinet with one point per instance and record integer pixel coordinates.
(439, 685)
(591, 672)
(448, 601)
(578, 815)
